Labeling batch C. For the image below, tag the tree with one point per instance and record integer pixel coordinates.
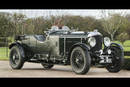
(128, 25)
(123, 37)
(18, 21)
(87, 23)
(40, 24)
(6, 26)
(112, 23)
(28, 26)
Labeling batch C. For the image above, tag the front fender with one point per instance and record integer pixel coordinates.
(82, 45)
(117, 45)
(114, 45)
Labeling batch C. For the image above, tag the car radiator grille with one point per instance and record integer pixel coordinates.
(99, 41)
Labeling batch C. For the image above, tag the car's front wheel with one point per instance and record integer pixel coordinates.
(117, 60)
(15, 58)
(80, 60)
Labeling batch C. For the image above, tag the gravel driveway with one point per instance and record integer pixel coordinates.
(58, 71)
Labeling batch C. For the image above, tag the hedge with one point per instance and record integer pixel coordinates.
(126, 64)
(3, 41)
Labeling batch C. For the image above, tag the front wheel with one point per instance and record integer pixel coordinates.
(117, 60)
(80, 60)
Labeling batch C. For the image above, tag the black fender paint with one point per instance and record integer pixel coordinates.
(117, 45)
(14, 44)
(82, 45)
(20, 48)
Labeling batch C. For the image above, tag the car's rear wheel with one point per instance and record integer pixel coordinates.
(15, 58)
(117, 60)
(47, 66)
(80, 60)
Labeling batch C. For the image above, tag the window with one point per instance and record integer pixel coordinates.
(40, 37)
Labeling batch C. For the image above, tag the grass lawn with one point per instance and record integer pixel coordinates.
(3, 53)
(126, 48)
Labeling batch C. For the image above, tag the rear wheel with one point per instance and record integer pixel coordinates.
(47, 66)
(80, 60)
(117, 60)
(15, 58)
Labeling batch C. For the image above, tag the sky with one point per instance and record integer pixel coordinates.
(46, 12)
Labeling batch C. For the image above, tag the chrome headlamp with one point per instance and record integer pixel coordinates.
(92, 41)
(107, 41)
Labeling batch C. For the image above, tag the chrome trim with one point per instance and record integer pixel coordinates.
(93, 34)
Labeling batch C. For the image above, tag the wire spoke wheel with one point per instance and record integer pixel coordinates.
(80, 60)
(14, 57)
(16, 60)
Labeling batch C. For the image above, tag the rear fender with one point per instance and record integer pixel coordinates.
(20, 48)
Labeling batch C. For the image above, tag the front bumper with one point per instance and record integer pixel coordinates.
(102, 57)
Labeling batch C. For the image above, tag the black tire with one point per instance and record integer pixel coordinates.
(15, 58)
(117, 60)
(47, 66)
(80, 60)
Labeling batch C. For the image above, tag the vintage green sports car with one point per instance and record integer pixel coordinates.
(67, 47)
